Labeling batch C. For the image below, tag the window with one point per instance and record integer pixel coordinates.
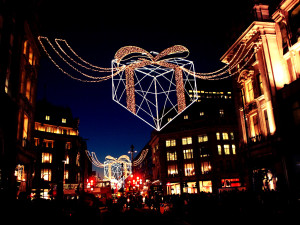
(47, 117)
(233, 149)
(201, 113)
(205, 186)
(48, 143)
(67, 160)
(231, 135)
(219, 149)
(204, 152)
(46, 157)
(25, 127)
(188, 153)
(187, 141)
(66, 175)
(189, 169)
(36, 141)
(46, 174)
(190, 188)
(186, 117)
(170, 143)
(249, 91)
(171, 156)
(218, 136)
(172, 170)
(202, 138)
(225, 136)
(226, 150)
(221, 112)
(205, 167)
(68, 145)
(63, 120)
(28, 89)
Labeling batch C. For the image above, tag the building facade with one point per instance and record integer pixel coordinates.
(267, 94)
(19, 63)
(198, 151)
(62, 165)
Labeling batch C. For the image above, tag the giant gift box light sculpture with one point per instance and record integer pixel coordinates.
(155, 89)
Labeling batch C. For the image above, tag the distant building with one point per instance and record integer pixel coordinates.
(198, 151)
(62, 166)
(268, 97)
(19, 64)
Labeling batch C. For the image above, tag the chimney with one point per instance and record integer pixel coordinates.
(261, 12)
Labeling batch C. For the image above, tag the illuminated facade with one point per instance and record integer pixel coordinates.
(198, 151)
(264, 86)
(19, 63)
(62, 164)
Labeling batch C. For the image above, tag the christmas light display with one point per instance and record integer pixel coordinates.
(116, 170)
(152, 86)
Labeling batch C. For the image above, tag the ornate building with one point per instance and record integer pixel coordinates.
(19, 63)
(268, 96)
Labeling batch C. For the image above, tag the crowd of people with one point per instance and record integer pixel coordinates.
(268, 205)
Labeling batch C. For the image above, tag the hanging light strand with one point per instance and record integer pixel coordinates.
(97, 69)
(96, 79)
(238, 53)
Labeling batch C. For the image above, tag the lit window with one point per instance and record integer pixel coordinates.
(221, 112)
(172, 170)
(226, 149)
(68, 145)
(205, 167)
(225, 136)
(25, 127)
(202, 138)
(171, 142)
(66, 175)
(46, 157)
(171, 156)
(36, 141)
(231, 136)
(47, 117)
(46, 174)
(218, 136)
(186, 117)
(219, 149)
(28, 88)
(189, 169)
(48, 143)
(188, 153)
(63, 120)
(201, 113)
(67, 160)
(205, 186)
(187, 141)
(233, 149)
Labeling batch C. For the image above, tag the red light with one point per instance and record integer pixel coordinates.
(168, 184)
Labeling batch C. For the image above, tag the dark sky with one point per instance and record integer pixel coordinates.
(97, 29)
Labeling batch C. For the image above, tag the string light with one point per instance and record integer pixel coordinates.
(141, 158)
(132, 61)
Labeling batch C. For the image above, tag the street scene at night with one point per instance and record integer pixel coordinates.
(153, 113)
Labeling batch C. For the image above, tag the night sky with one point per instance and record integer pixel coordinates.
(96, 30)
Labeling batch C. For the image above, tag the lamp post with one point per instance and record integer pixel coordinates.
(132, 152)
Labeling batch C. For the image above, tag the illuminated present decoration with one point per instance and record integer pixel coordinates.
(154, 90)
(116, 170)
